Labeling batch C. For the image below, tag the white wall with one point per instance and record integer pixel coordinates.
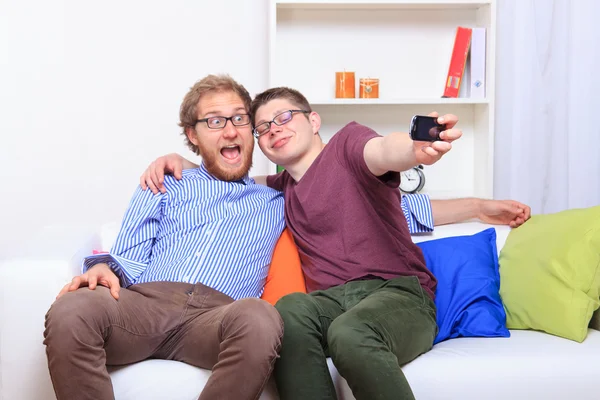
(90, 94)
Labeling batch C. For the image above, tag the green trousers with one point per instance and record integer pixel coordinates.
(369, 328)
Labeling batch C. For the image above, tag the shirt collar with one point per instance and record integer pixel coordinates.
(202, 171)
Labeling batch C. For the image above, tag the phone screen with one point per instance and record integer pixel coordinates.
(425, 128)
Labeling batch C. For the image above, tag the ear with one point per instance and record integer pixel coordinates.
(315, 121)
(192, 135)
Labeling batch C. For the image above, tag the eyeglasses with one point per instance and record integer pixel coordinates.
(221, 122)
(280, 119)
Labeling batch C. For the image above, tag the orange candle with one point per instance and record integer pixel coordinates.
(369, 88)
(344, 85)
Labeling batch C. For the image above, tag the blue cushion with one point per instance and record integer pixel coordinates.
(467, 296)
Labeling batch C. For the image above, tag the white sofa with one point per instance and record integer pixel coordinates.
(528, 365)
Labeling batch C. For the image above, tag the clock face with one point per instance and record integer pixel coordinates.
(410, 181)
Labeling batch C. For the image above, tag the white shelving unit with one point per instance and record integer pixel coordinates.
(407, 45)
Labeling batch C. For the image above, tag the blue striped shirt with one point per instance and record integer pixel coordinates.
(418, 213)
(204, 230)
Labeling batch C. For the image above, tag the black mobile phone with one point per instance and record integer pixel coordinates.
(426, 129)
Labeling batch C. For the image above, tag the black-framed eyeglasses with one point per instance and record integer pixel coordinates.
(280, 119)
(221, 122)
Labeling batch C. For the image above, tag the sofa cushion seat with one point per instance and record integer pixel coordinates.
(528, 365)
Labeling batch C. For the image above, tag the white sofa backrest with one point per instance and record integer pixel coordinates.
(109, 231)
(465, 228)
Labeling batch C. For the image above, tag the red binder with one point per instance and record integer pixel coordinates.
(462, 42)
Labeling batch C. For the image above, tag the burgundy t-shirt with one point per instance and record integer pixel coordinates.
(348, 223)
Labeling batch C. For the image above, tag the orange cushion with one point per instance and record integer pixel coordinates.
(285, 274)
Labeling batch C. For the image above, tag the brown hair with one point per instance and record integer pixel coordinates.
(294, 96)
(188, 113)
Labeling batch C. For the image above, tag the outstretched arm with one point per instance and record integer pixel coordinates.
(496, 212)
(398, 152)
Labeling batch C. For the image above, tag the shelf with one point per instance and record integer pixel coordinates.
(407, 45)
(361, 102)
(378, 43)
(382, 4)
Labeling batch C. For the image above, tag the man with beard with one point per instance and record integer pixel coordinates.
(183, 279)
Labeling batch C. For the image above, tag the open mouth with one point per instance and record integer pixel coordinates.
(232, 154)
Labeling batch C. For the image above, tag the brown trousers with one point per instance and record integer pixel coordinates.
(88, 329)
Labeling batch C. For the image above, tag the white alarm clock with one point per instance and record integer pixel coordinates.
(413, 180)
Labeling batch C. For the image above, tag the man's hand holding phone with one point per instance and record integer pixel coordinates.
(432, 136)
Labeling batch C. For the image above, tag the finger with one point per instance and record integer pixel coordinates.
(441, 147)
(143, 181)
(114, 286)
(160, 176)
(177, 171)
(433, 114)
(449, 119)
(430, 151)
(92, 282)
(508, 207)
(75, 283)
(64, 290)
(520, 221)
(450, 135)
(155, 170)
(523, 209)
(527, 213)
(150, 180)
(512, 224)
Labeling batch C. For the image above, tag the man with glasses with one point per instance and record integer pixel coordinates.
(183, 279)
(370, 302)
(370, 296)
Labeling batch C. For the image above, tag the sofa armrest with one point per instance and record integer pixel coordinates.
(29, 283)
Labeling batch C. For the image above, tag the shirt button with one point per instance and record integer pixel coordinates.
(198, 254)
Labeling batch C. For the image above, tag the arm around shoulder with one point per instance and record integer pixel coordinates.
(154, 176)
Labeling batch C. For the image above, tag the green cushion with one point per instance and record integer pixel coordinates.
(550, 273)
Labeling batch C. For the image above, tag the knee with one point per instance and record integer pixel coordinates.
(294, 308)
(72, 313)
(346, 337)
(256, 318)
(301, 318)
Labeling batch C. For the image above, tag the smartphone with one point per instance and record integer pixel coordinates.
(425, 129)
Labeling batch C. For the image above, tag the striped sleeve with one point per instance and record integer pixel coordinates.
(131, 252)
(418, 213)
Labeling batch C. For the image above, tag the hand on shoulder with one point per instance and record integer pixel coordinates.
(154, 176)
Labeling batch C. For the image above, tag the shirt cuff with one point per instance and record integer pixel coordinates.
(117, 264)
(418, 213)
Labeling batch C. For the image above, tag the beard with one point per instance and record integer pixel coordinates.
(212, 165)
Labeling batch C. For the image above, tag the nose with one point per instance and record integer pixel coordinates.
(275, 129)
(230, 130)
